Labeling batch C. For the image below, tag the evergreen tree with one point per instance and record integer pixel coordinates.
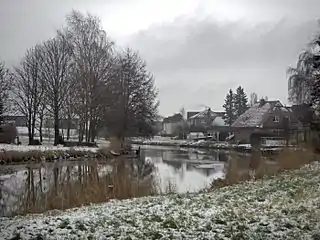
(228, 106)
(240, 102)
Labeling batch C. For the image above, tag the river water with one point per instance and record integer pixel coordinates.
(65, 184)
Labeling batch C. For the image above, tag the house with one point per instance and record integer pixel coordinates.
(209, 122)
(20, 121)
(172, 124)
(201, 119)
(264, 119)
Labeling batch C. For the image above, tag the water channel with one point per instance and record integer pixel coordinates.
(64, 184)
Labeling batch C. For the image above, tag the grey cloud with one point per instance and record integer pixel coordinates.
(194, 62)
(25, 23)
(207, 59)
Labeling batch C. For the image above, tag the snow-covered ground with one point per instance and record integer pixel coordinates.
(43, 148)
(166, 141)
(282, 207)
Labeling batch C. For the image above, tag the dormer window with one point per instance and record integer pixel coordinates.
(276, 118)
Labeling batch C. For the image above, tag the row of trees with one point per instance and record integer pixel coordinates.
(78, 74)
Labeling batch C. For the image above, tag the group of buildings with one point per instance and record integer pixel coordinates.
(265, 119)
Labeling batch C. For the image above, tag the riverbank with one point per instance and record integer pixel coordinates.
(209, 145)
(16, 154)
(285, 206)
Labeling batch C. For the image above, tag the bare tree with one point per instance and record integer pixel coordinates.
(28, 88)
(5, 87)
(132, 108)
(56, 63)
(93, 57)
(253, 98)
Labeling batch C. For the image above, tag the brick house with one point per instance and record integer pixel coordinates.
(264, 119)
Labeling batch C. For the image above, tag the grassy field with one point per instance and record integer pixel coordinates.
(286, 206)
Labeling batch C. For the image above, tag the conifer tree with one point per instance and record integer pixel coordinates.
(240, 101)
(229, 116)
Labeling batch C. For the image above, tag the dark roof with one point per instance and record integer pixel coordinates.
(206, 113)
(191, 114)
(257, 114)
(174, 118)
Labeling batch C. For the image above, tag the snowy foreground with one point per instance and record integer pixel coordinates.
(283, 207)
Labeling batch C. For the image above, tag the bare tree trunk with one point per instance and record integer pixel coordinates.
(80, 131)
(30, 130)
(86, 130)
(68, 127)
(40, 128)
(56, 125)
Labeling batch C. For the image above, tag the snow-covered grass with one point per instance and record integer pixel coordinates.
(43, 148)
(21, 153)
(285, 206)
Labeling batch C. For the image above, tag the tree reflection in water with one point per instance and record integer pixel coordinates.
(61, 186)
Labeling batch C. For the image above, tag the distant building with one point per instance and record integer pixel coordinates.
(20, 121)
(63, 123)
(264, 119)
(205, 118)
(171, 124)
(209, 122)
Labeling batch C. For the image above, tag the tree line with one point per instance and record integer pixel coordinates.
(79, 74)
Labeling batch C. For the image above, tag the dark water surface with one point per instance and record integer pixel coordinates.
(60, 185)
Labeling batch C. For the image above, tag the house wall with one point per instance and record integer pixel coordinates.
(20, 121)
(170, 128)
(242, 135)
(270, 123)
(196, 122)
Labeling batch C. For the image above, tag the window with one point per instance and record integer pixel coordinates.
(276, 118)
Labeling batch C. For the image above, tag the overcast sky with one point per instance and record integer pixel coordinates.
(196, 49)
